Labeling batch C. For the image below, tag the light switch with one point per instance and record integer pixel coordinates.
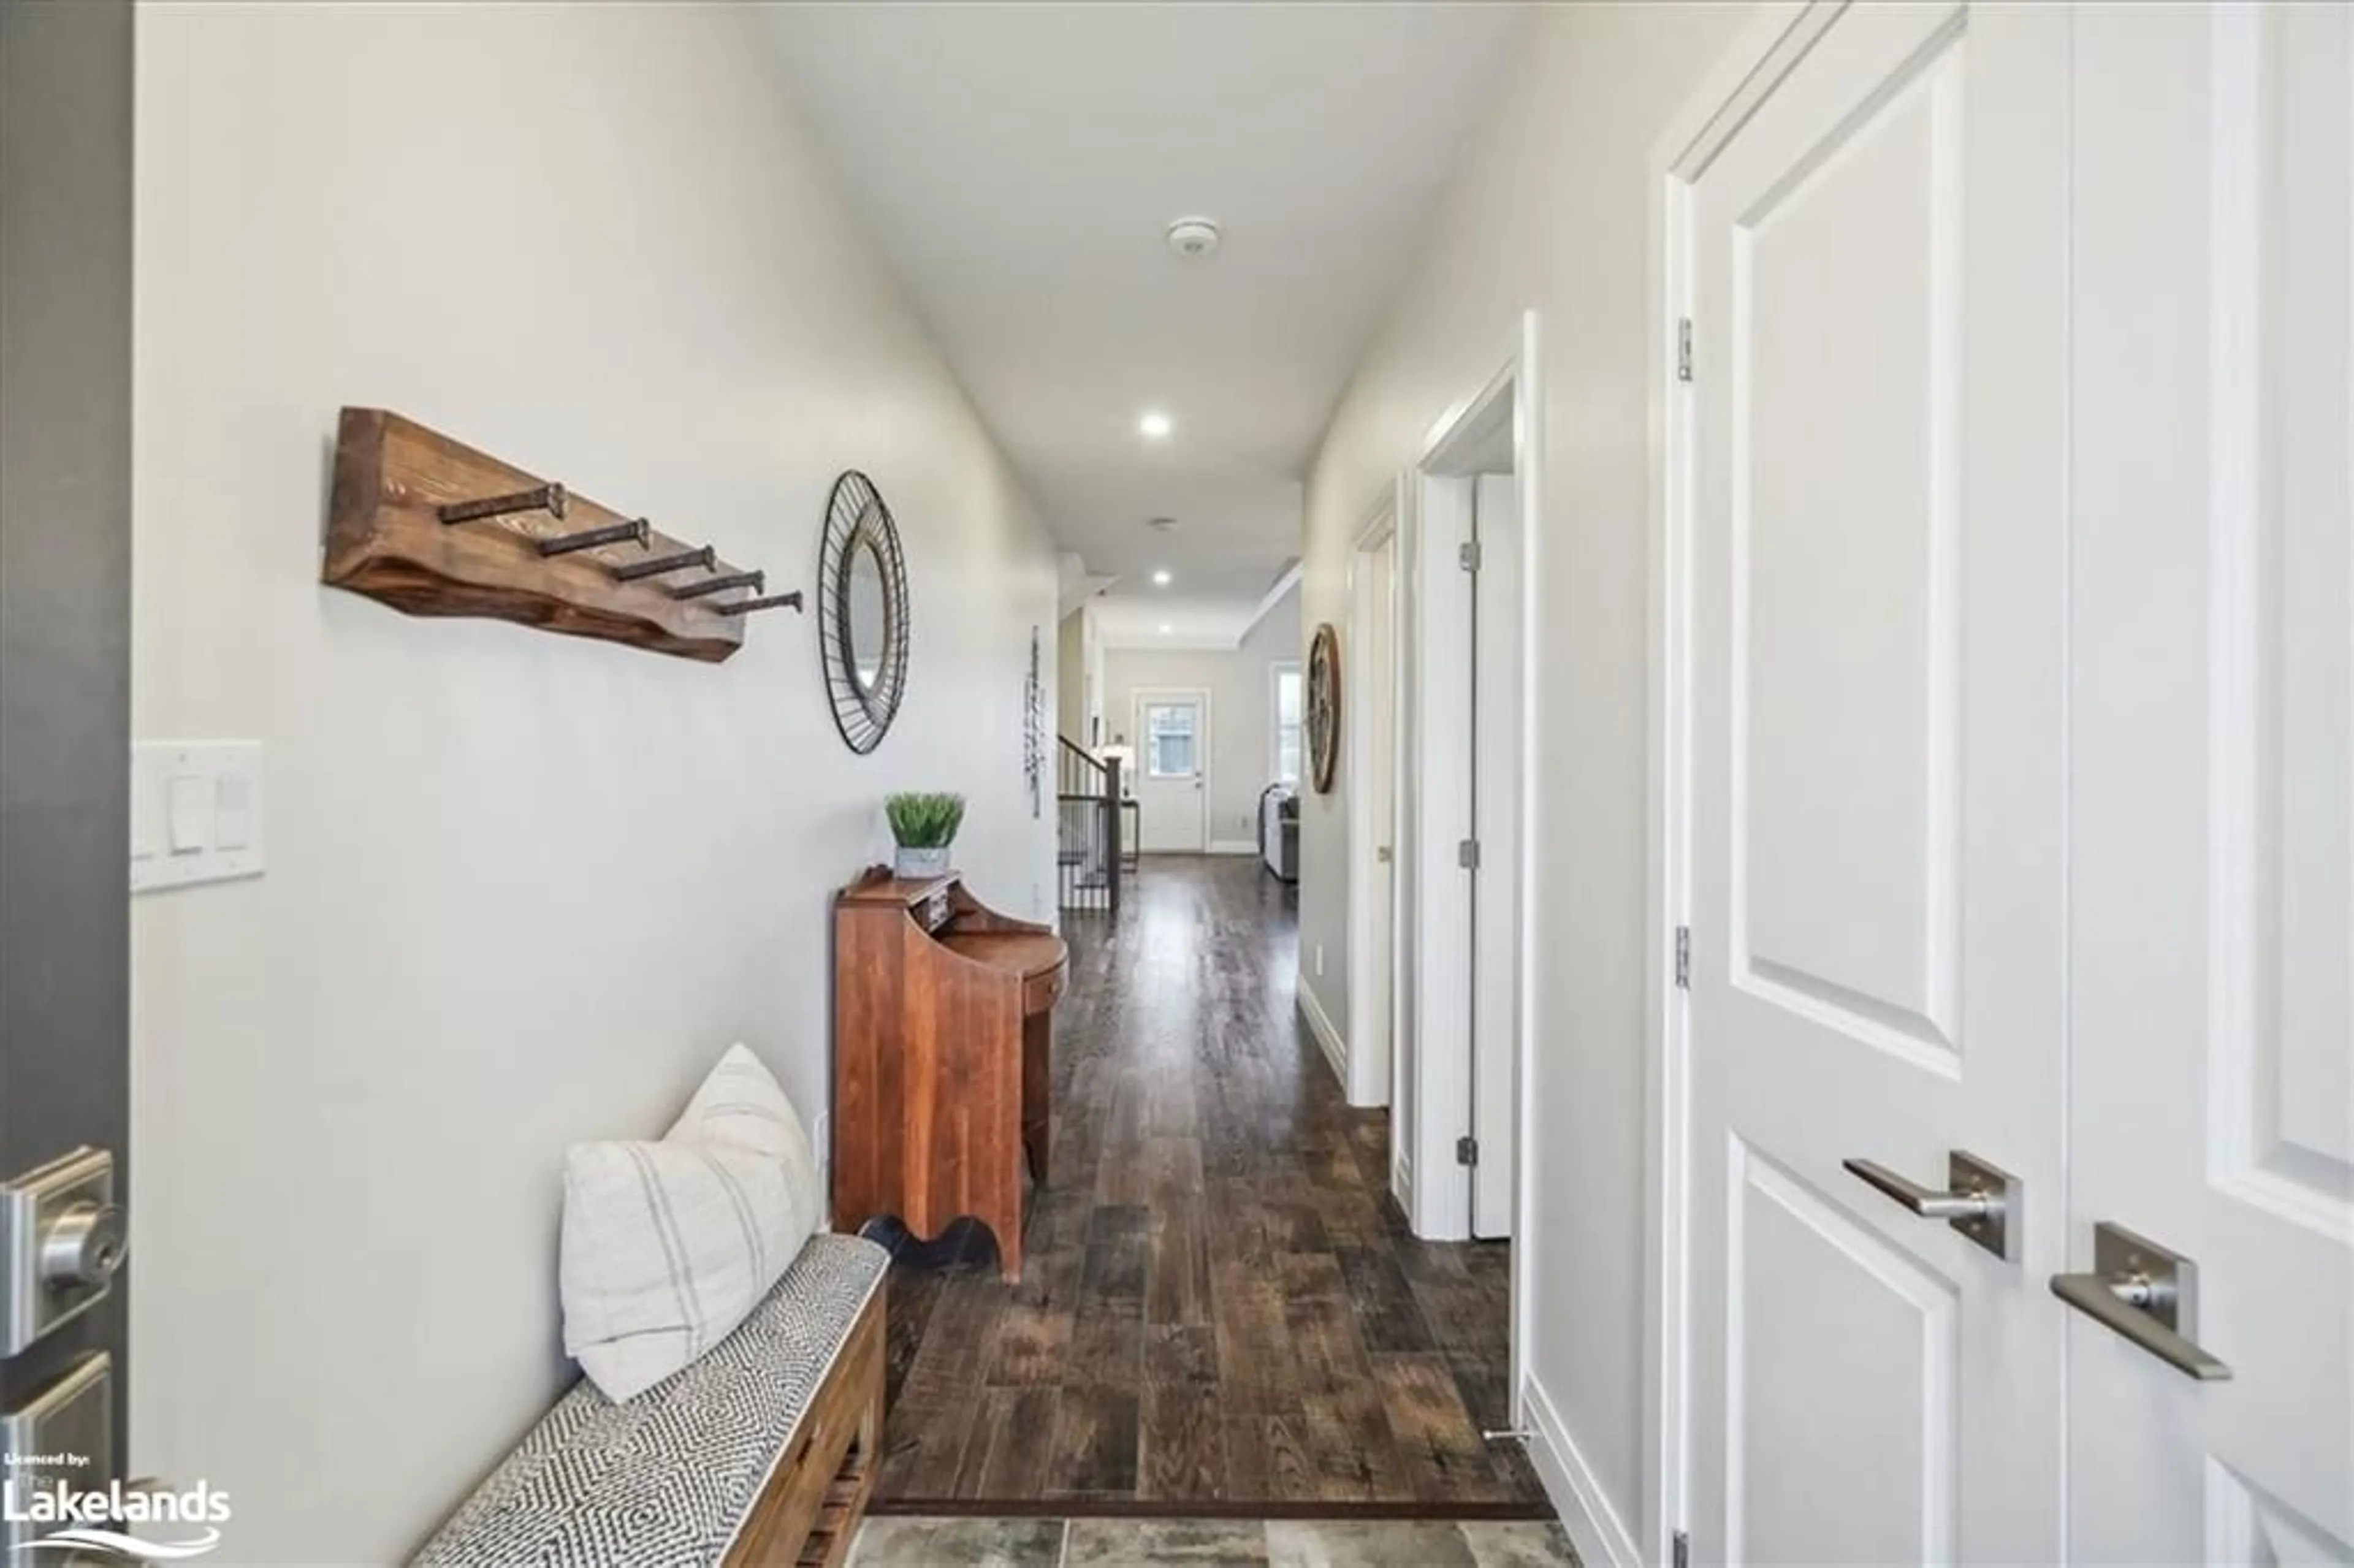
(197, 810)
(190, 805)
(232, 812)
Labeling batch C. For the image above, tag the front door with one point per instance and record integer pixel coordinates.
(65, 727)
(1877, 534)
(2213, 899)
(1173, 746)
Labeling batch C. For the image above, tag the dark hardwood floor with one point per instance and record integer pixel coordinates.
(1222, 1308)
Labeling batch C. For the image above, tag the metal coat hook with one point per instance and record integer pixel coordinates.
(707, 557)
(637, 533)
(755, 581)
(548, 498)
(746, 606)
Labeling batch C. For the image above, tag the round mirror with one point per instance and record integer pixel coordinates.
(865, 618)
(862, 611)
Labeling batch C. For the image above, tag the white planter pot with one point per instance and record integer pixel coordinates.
(915, 864)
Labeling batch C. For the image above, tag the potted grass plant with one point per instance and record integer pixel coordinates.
(924, 824)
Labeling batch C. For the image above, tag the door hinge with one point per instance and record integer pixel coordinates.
(1467, 854)
(1683, 349)
(1684, 958)
(1467, 554)
(1679, 1551)
(1466, 1151)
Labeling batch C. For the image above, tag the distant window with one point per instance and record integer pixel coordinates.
(1287, 731)
(1171, 750)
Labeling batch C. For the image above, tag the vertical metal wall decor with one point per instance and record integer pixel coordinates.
(1033, 731)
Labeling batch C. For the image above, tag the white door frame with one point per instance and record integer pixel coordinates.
(1136, 697)
(1372, 1064)
(1751, 68)
(1436, 744)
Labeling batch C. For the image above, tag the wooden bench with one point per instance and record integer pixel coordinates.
(762, 1453)
(813, 1502)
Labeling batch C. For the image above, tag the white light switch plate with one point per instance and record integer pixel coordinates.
(195, 812)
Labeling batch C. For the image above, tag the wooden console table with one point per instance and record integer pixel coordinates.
(943, 1052)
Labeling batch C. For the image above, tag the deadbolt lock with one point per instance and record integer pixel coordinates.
(82, 1247)
(62, 1238)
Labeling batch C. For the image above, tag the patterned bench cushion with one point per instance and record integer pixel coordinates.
(667, 1479)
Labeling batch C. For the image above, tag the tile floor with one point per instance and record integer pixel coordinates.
(914, 1542)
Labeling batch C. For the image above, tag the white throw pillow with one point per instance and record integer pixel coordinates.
(667, 1247)
(741, 1103)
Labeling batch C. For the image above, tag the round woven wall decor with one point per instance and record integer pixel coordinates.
(1324, 707)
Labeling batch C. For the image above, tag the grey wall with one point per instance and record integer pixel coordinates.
(65, 605)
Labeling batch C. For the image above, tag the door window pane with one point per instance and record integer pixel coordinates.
(1169, 740)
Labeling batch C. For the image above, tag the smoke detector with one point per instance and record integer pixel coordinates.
(1194, 238)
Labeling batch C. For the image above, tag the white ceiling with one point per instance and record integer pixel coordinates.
(1020, 163)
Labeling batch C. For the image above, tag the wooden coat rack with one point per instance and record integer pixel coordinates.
(431, 526)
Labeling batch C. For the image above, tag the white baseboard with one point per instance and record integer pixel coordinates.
(1402, 1180)
(1233, 846)
(1319, 1023)
(1595, 1527)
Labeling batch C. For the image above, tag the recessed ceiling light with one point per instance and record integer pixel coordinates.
(1164, 629)
(1161, 579)
(1155, 424)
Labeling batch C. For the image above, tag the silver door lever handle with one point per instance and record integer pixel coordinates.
(2145, 1293)
(1980, 1200)
(1927, 1201)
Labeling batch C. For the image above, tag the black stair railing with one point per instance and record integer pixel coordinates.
(1093, 859)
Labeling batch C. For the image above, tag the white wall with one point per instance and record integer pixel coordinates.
(1549, 210)
(1091, 676)
(523, 888)
(1071, 677)
(1242, 723)
(1080, 666)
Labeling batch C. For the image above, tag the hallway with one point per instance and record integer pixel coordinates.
(1221, 1309)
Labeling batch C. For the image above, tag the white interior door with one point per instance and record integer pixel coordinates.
(1173, 752)
(1383, 715)
(1434, 948)
(1495, 815)
(1370, 1031)
(2213, 926)
(1878, 271)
